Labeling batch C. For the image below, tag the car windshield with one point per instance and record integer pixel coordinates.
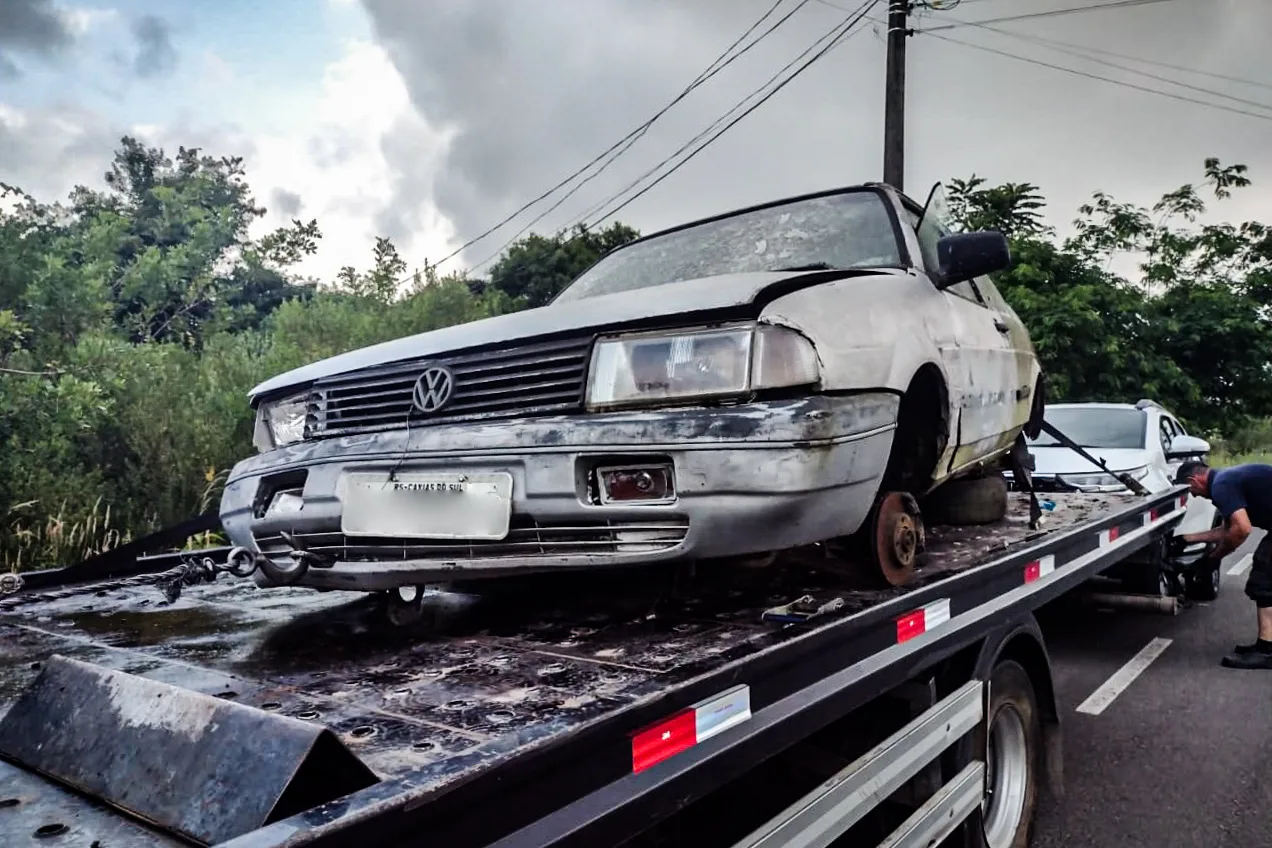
(1096, 427)
(846, 230)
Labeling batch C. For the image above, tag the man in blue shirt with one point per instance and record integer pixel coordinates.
(1243, 496)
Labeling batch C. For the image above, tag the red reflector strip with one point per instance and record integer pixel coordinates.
(1040, 568)
(1183, 501)
(687, 728)
(1109, 536)
(923, 620)
(1151, 516)
(676, 734)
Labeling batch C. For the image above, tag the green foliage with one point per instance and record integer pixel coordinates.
(536, 268)
(1192, 330)
(134, 321)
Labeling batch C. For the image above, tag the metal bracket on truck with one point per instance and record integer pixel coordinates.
(589, 713)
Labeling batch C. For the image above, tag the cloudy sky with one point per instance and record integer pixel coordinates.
(429, 121)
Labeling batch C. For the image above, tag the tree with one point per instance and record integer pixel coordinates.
(1192, 330)
(1013, 209)
(534, 269)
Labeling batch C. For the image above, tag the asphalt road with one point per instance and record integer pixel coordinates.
(1182, 754)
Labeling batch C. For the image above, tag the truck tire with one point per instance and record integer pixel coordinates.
(1202, 583)
(978, 500)
(1010, 741)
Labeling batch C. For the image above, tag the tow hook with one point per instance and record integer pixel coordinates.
(302, 554)
(241, 562)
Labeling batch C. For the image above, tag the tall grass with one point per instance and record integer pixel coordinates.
(35, 540)
(1224, 459)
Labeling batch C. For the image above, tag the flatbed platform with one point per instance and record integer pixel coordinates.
(486, 680)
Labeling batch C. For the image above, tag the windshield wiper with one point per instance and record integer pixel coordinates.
(812, 266)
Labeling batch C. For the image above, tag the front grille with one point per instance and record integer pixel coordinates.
(527, 539)
(535, 379)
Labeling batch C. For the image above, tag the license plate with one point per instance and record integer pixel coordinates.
(427, 506)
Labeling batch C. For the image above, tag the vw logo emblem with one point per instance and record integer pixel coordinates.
(433, 389)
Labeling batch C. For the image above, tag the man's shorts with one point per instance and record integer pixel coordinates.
(1259, 584)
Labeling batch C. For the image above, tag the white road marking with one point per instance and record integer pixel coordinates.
(1241, 566)
(1123, 677)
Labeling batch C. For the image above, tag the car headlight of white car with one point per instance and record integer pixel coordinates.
(280, 422)
(646, 369)
(1087, 481)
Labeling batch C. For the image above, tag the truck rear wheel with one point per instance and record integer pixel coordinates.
(1010, 741)
(1203, 582)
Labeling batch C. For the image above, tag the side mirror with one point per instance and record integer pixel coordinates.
(1184, 446)
(967, 255)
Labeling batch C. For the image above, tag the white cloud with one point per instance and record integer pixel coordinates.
(216, 75)
(337, 165)
(80, 19)
(330, 164)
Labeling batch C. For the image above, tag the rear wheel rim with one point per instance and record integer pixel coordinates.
(1006, 777)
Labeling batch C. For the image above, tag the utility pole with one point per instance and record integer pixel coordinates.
(894, 102)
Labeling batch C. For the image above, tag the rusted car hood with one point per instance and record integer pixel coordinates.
(732, 292)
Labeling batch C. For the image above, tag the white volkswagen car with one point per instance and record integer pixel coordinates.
(1143, 440)
(751, 382)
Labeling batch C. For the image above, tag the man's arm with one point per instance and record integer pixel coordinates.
(1238, 531)
(1207, 536)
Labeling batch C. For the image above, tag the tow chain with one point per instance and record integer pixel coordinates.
(171, 582)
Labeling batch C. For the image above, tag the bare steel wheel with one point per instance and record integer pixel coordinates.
(1006, 776)
(1010, 742)
(898, 537)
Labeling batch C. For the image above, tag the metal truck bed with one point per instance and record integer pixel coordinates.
(532, 691)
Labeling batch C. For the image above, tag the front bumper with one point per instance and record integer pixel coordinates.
(749, 479)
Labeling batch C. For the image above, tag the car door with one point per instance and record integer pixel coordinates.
(1020, 346)
(1168, 429)
(976, 352)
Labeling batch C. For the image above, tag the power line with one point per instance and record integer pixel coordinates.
(1081, 55)
(833, 34)
(635, 134)
(844, 33)
(836, 32)
(645, 128)
(1088, 75)
(1049, 13)
(1130, 58)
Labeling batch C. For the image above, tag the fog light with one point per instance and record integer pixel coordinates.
(641, 484)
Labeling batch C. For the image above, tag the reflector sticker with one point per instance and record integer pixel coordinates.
(1108, 537)
(1040, 568)
(689, 727)
(923, 620)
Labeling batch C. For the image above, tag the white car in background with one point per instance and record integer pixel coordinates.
(1143, 440)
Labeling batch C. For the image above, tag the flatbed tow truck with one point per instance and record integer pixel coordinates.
(734, 706)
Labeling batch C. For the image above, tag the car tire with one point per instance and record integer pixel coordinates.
(978, 500)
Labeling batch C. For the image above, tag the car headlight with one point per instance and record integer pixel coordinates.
(1085, 481)
(280, 422)
(652, 368)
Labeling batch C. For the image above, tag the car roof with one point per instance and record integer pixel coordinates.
(1093, 405)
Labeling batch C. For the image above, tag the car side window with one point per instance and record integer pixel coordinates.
(990, 293)
(929, 232)
(1167, 433)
